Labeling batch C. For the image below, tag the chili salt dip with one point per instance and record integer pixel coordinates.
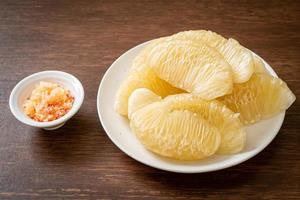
(48, 101)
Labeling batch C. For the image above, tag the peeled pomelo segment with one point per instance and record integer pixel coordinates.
(140, 61)
(145, 78)
(139, 98)
(141, 76)
(199, 36)
(233, 136)
(178, 134)
(198, 69)
(259, 66)
(239, 58)
(126, 88)
(152, 115)
(262, 97)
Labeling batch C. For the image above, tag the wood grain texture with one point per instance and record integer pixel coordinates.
(79, 161)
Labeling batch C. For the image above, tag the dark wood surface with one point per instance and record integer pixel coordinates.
(79, 161)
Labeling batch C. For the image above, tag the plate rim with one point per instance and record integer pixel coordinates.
(216, 168)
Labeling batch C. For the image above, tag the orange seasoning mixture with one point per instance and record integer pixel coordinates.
(48, 101)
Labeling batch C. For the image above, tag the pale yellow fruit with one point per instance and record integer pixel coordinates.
(262, 97)
(179, 134)
(259, 66)
(184, 126)
(142, 78)
(139, 98)
(218, 115)
(196, 68)
(239, 58)
(140, 61)
(199, 36)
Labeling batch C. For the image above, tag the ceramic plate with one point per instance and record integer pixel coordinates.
(117, 127)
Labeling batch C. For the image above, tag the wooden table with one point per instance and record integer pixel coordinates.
(79, 161)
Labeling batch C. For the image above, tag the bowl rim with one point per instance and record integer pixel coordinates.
(28, 121)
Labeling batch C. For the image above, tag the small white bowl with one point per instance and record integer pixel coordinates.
(24, 88)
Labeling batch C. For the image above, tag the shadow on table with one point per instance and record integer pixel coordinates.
(238, 176)
(77, 142)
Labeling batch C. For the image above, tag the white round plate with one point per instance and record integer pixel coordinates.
(117, 127)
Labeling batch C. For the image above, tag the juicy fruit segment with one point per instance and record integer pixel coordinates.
(259, 66)
(181, 135)
(240, 58)
(140, 98)
(198, 69)
(176, 134)
(233, 136)
(202, 36)
(145, 78)
(263, 96)
(172, 126)
(140, 61)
